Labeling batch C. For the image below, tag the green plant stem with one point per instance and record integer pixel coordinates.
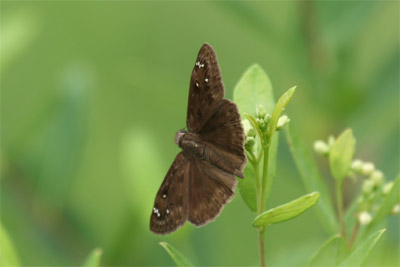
(261, 246)
(259, 211)
(353, 236)
(339, 199)
(265, 177)
(262, 197)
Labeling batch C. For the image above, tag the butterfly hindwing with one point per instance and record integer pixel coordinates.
(171, 206)
(206, 89)
(210, 190)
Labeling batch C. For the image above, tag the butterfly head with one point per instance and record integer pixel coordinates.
(179, 136)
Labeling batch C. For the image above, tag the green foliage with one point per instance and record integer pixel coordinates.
(247, 188)
(93, 260)
(358, 256)
(286, 211)
(334, 251)
(253, 89)
(385, 208)
(8, 255)
(279, 108)
(179, 259)
(312, 178)
(341, 154)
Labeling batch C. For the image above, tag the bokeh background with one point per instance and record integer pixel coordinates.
(93, 92)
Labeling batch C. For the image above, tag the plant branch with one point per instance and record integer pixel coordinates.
(339, 199)
(354, 234)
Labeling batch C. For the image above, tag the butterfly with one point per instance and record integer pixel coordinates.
(201, 180)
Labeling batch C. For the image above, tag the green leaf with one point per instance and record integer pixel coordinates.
(279, 108)
(332, 252)
(94, 258)
(385, 207)
(358, 256)
(286, 211)
(178, 258)
(254, 89)
(341, 154)
(312, 178)
(247, 188)
(8, 255)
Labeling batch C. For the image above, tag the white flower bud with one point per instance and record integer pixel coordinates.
(368, 168)
(267, 118)
(364, 218)
(368, 186)
(377, 177)
(331, 141)
(260, 112)
(283, 120)
(387, 187)
(357, 165)
(246, 126)
(321, 148)
(396, 209)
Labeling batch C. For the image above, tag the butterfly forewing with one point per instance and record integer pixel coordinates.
(224, 135)
(206, 89)
(171, 206)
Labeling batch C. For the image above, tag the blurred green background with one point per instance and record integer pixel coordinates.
(93, 92)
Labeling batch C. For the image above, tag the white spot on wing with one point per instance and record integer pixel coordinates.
(206, 80)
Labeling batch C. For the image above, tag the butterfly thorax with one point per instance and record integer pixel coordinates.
(190, 143)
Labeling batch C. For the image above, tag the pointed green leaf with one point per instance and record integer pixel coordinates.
(247, 188)
(286, 211)
(385, 208)
(331, 253)
(93, 260)
(254, 89)
(8, 255)
(178, 258)
(358, 256)
(279, 108)
(341, 154)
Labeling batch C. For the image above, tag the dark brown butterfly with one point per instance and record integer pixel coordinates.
(202, 180)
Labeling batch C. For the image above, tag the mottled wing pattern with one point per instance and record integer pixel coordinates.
(206, 89)
(171, 206)
(210, 189)
(223, 133)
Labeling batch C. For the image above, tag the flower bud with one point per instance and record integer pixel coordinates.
(364, 218)
(331, 141)
(368, 186)
(357, 165)
(250, 141)
(387, 187)
(267, 118)
(283, 120)
(260, 112)
(321, 148)
(377, 177)
(251, 132)
(246, 126)
(368, 168)
(396, 209)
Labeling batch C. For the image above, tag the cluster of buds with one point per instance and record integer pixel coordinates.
(323, 148)
(262, 118)
(250, 135)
